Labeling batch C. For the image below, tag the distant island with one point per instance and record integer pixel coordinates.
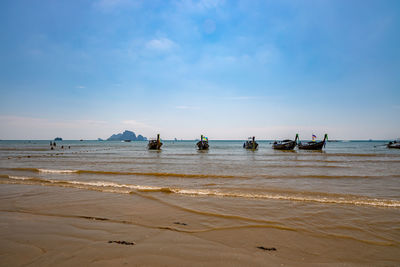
(58, 139)
(125, 136)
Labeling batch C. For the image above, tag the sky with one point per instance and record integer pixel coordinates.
(225, 69)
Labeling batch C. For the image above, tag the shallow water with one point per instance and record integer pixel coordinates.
(350, 190)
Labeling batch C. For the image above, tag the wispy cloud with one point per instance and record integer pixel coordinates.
(210, 3)
(267, 54)
(209, 26)
(19, 120)
(161, 44)
(80, 87)
(15, 127)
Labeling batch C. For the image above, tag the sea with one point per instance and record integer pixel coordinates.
(348, 191)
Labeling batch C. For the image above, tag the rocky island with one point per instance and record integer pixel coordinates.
(126, 136)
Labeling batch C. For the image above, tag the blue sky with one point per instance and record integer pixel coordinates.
(226, 69)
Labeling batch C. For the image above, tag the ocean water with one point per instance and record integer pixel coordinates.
(352, 173)
(350, 190)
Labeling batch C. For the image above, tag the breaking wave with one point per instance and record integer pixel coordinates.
(105, 186)
(198, 175)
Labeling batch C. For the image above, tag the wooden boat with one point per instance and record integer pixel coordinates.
(251, 143)
(203, 143)
(313, 145)
(155, 144)
(285, 144)
(394, 144)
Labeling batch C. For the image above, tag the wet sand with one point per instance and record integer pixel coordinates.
(47, 226)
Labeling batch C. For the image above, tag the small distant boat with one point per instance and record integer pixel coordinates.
(313, 145)
(203, 143)
(127, 140)
(58, 139)
(251, 143)
(155, 144)
(394, 144)
(285, 144)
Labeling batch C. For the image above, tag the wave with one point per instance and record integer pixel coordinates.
(181, 175)
(57, 171)
(202, 176)
(105, 186)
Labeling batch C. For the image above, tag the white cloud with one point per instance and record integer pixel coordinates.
(80, 87)
(161, 44)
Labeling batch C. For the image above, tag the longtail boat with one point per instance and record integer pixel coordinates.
(285, 144)
(251, 143)
(394, 144)
(155, 143)
(203, 143)
(313, 145)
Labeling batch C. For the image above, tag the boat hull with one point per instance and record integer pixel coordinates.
(311, 145)
(202, 145)
(154, 145)
(394, 145)
(284, 146)
(250, 145)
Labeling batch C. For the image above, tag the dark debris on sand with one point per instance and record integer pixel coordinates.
(180, 223)
(123, 243)
(268, 249)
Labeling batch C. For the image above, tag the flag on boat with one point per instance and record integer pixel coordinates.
(314, 137)
(204, 138)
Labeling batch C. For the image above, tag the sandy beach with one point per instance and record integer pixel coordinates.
(118, 204)
(57, 226)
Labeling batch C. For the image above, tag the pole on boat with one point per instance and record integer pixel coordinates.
(254, 143)
(158, 140)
